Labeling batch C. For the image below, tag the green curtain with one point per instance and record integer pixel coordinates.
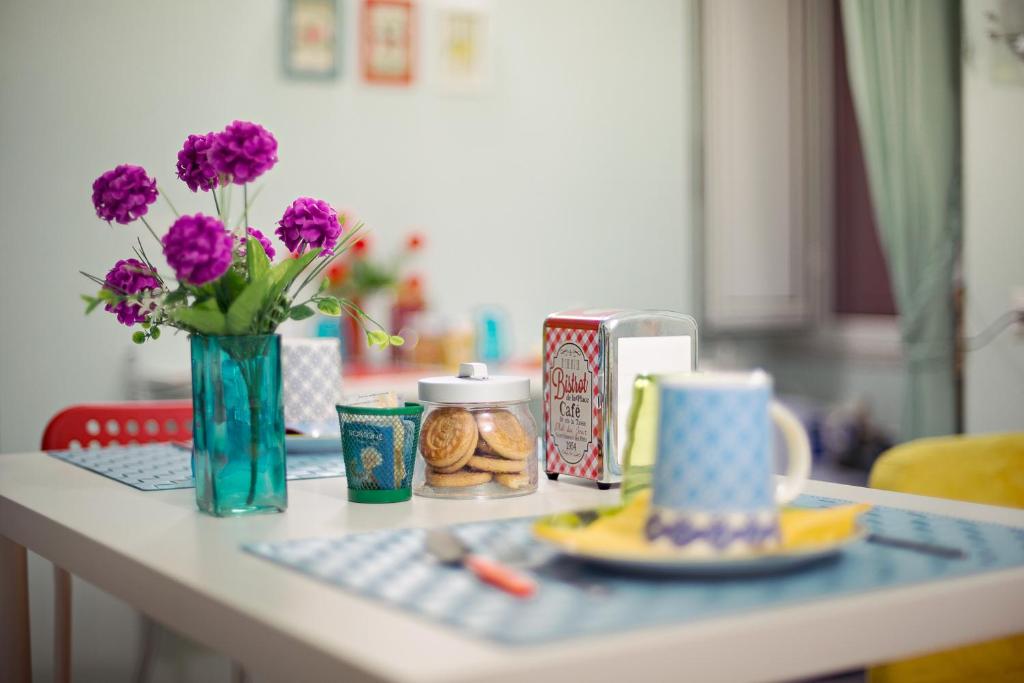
(903, 59)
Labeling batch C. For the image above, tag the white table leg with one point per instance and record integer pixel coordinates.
(147, 649)
(15, 643)
(61, 625)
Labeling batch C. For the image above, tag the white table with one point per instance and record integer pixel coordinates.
(155, 551)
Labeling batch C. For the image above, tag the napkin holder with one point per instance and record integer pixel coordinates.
(590, 360)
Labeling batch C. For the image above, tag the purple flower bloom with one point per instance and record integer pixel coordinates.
(130, 276)
(243, 151)
(309, 223)
(194, 165)
(268, 248)
(123, 194)
(198, 248)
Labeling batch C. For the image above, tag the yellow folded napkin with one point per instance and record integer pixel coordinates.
(620, 529)
(816, 526)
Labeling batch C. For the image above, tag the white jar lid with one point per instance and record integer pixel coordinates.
(474, 385)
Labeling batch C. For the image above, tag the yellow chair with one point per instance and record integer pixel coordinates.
(977, 469)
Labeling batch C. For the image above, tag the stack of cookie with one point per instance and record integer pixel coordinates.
(463, 448)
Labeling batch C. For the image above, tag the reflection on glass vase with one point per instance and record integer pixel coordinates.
(239, 453)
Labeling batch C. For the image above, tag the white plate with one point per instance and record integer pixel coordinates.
(736, 565)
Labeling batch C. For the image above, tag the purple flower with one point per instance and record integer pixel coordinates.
(309, 223)
(268, 248)
(243, 151)
(130, 276)
(123, 194)
(198, 248)
(194, 165)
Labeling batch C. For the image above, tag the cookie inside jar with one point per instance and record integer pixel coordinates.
(479, 438)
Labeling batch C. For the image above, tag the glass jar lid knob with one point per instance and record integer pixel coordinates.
(473, 370)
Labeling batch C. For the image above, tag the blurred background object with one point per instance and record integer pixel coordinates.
(378, 284)
(311, 382)
(1006, 29)
(492, 343)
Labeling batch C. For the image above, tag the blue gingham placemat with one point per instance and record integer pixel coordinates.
(576, 600)
(162, 466)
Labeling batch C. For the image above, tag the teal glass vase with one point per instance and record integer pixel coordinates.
(238, 456)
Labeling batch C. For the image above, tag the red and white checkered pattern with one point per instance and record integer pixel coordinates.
(589, 466)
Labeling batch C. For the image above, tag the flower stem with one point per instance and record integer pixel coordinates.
(245, 203)
(249, 202)
(339, 249)
(215, 202)
(151, 231)
(251, 357)
(254, 443)
(226, 196)
(169, 203)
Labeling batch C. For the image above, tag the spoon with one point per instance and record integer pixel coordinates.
(449, 549)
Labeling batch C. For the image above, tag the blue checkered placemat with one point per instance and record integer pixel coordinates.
(158, 467)
(575, 600)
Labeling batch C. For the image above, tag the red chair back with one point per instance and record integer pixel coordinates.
(105, 424)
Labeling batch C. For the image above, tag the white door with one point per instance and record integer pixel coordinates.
(767, 122)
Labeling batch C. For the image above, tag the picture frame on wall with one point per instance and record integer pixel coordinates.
(464, 46)
(387, 41)
(311, 39)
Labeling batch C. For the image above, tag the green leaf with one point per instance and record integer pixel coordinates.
(263, 294)
(91, 303)
(204, 317)
(329, 305)
(294, 266)
(256, 261)
(324, 284)
(283, 274)
(396, 340)
(377, 338)
(242, 315)
(139, 337)
(175, 297)
(369, 277)
(204, 291)
(154, 333)
(229, 286)
(301, 312)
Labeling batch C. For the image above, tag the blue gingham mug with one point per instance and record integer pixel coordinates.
(714, 491)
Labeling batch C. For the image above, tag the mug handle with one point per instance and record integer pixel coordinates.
(799, 449)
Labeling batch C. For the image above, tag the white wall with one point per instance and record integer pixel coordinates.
(993, 139)
(568, 184)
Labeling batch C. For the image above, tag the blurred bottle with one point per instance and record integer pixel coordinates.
(409, 301)
(491, 335)
(458, 343)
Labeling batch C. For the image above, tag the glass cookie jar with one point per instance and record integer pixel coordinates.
(478, 438)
